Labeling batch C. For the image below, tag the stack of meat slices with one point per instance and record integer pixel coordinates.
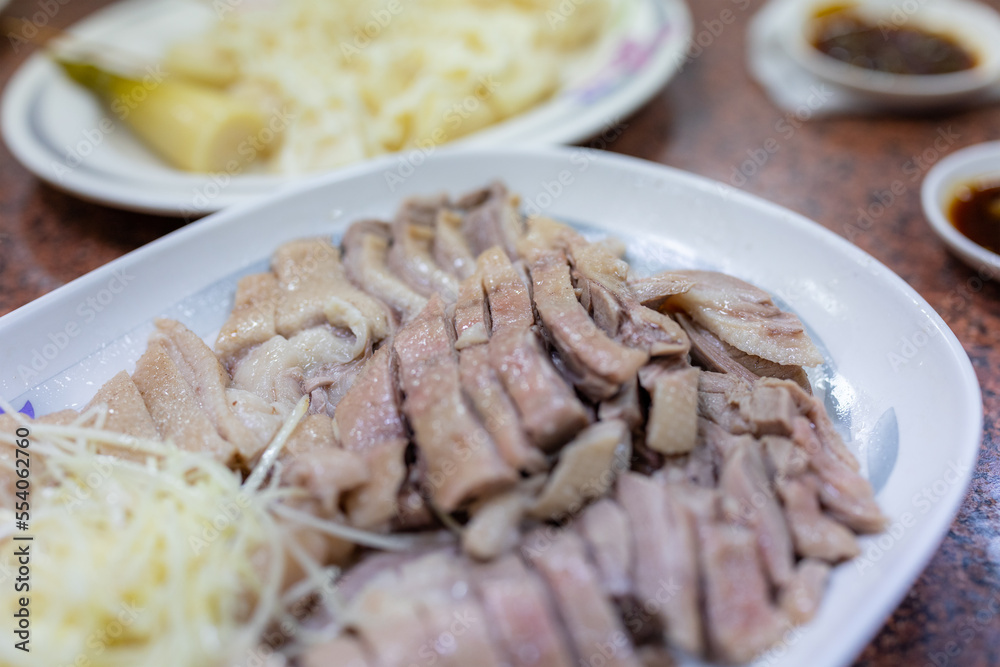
(634, 467)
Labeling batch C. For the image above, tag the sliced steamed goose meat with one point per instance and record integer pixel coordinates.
(814, 534)
(740, 619)
(653, 291)
(594, 626)
(472, 323)
(315, 290)
(491, 219)
(745, 317)
(672, 427)
(719, 397)
(550, 411)
(202, 371)
(126, 412)
(665, 572)
(461, 457)
(495, 525)
(598, 364)
(520, 610)
(800, 597)
(750, 501)
(174, 407)
(586, 469)
(251, 321)
(411, 257)
(496, 411)
(605, 528)
(366, 250)
(371, 424)
(451, 252)
(625, 405)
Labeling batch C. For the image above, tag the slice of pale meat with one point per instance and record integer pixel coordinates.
(495, 525)
(174, 406)
(461, 457)
(388, 622)
(472, 326)
(496, 411)
(370, 423)
(126, 412)
(586, 469)
(598, 364)
(814, 534)
(653, 291)
(366, 251)
(550, 411)
(744, 481)
(606, 529)
(845, 494)
(251, 321)
(315, 290)
(672, 426)
(411, 257)
(314, 461)
(710, 352)
(520, 610)
(491, 219)
(665, 570)
(625, 405)
(451, 252)
(441, 586)
(801, 596)
(340, 651)
(594, 626)
(508, 295)
(203, 372)
(745, 317)
(740, 618)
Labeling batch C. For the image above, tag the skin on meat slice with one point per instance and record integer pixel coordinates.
(550, 411)
(606, 529)
(310, 275)
(206, 377)
(491, 219)
(495, 525)
(666, 570)
(411, 257)
(520, 610)
(173, 405)
(370, 424)
(745, 317)
(472, 325)
(366, 250)
(740, 618)
(672, 426)
(451, 252)
(586, 469)
(814, 534)
(750, 501)
(126, 412)
(251, 321)
(496, 410)
(598, 364)
(461, 457)
(800, 598)
(593, 624)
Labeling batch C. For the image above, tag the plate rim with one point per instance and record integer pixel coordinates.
(863, 625)
(36, 71)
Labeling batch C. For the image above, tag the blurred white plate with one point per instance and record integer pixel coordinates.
(54, 128)
(888, 353)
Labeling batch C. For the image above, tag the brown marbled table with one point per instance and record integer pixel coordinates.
(706, 121)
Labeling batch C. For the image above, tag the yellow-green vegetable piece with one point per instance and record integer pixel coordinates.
(190, 125)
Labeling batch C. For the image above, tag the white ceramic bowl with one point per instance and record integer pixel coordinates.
(980, 162)
(975, 26)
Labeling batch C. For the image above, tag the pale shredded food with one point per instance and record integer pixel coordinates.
(163, 558)
(351, 79)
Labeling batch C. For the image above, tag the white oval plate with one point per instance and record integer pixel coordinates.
(888, 354)
(64, 136)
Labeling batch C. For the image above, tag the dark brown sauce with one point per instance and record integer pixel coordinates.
(886, 47)
(975, 211)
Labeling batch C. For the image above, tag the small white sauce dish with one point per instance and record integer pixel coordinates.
(977, 163)
(973, 25)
